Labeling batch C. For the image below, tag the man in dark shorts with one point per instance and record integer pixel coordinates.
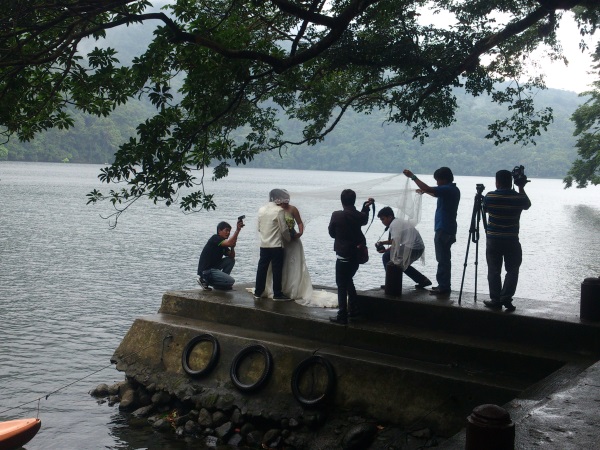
(218, 258)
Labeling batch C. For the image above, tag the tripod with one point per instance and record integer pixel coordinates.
(474, 236)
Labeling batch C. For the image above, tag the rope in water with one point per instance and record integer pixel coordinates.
(38, 399)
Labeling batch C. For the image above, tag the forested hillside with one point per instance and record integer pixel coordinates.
(364, 143)
(360, 142)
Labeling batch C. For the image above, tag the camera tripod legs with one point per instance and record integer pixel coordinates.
(476, 217)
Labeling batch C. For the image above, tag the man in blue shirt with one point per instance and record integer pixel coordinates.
(504, 207)
(448, 197)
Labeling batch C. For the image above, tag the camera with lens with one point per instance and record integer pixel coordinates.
(480, 188)
(379, 246)
(519, 177)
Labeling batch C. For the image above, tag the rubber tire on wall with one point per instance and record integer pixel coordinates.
(187, 351)
(257, 348)
(313, 360)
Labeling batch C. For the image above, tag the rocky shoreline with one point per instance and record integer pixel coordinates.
(218, 419)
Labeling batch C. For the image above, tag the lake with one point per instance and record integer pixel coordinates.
(70, 286)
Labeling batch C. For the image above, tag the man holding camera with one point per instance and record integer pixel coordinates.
(406, 246)
(504, 207)
(218, 258)
(345, 228)
(273, 230)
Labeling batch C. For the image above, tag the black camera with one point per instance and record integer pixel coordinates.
(480, 188)
(519, 177)
(241, 218)
(379, 246)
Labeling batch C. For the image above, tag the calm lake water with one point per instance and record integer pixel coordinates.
(70, 287)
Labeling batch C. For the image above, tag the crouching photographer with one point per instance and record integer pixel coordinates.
(406, 246)
(504, 207)
(218, 257)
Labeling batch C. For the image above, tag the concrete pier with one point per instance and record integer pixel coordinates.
(416, 361)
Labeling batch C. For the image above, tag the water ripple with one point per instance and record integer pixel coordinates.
(70, 287)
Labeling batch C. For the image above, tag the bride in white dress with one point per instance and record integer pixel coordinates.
(296, 280)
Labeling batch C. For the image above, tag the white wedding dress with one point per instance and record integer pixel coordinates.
(296, 282)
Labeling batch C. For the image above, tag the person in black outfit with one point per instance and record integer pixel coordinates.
(344, 227)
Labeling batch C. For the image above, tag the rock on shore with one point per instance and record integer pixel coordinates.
(218, 419)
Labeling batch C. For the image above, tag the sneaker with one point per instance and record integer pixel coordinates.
(339, 320)
(202, 282)
(356, 318)
(440, 292)
(509, 306)
(493, 304)
(281, 298)
(424, 285)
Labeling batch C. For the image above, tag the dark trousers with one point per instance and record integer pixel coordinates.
(344, 272)
(496, 251)
(410, 271)
(443, 241)
(273, 256)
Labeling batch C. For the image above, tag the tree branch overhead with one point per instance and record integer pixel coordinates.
(306, 59)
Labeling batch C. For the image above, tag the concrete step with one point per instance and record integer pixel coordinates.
(533, 323)
(415, 335)
(503, 381)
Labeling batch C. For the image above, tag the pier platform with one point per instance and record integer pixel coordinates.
(415, 359)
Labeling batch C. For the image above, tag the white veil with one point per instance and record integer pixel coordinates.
(407, 244)
(398, 193)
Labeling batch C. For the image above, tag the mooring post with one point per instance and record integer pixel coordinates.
(589, 306)
(489, 427)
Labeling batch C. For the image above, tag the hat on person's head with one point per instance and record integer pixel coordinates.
(279, 196)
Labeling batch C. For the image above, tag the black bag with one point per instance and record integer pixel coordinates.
(362, 254)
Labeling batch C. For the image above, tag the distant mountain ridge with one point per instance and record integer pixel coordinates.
(364, 143)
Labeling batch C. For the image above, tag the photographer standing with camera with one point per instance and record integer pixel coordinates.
(218, 257)
(345, 228)
(504, 207)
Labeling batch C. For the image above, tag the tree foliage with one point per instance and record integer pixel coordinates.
(360, 142)
(586, 168)
(218, 71)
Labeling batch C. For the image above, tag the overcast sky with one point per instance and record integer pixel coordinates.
(575, 76)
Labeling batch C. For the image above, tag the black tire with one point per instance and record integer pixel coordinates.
(299, 371)
(212, 362)
(257, 348)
